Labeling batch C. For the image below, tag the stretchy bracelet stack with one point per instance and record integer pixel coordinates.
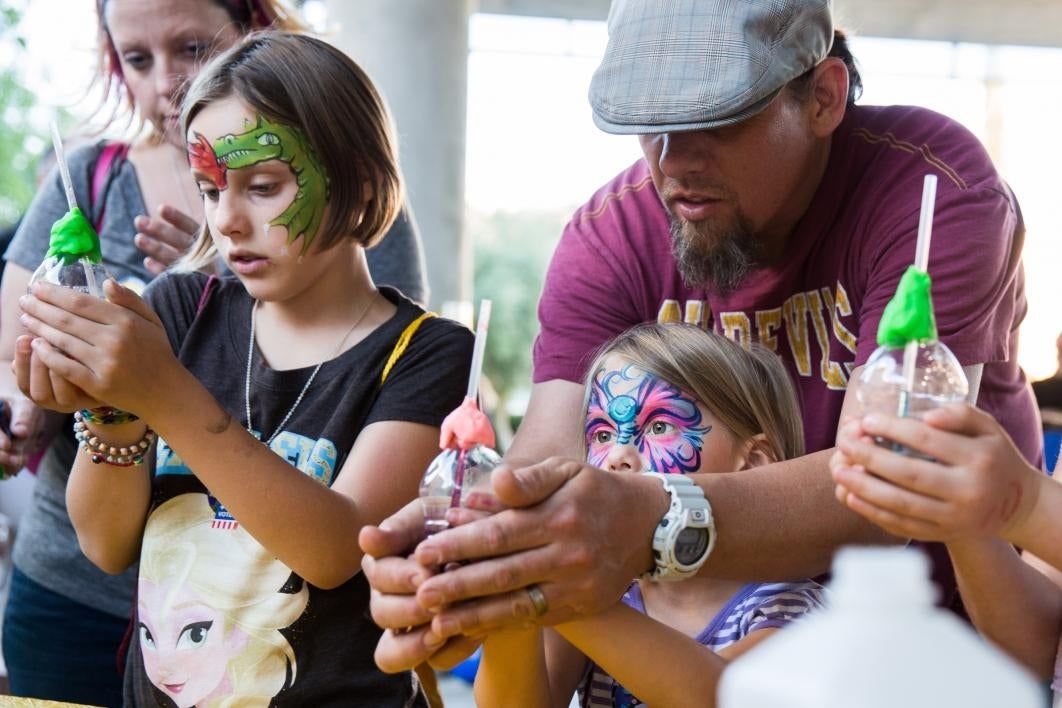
(100, 451)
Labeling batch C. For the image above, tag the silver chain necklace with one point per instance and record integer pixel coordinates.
(309, 381)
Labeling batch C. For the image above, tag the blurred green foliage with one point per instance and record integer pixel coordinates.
(16, 102)
(512, 250)
(23, 121)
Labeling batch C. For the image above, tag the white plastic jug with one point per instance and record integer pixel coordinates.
(880, 643)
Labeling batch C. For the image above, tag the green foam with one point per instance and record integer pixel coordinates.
(73, 238)
(909, 315)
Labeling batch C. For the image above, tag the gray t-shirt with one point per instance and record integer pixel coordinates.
(46, 549)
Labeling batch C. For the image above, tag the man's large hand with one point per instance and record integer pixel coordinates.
(578, 533)
(407, 639)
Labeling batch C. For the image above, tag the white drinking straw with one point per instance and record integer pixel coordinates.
(478, 348)
(925, 233)
(71, 201)
(64, 171)
(925, 223)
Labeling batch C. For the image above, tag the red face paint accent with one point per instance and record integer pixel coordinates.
(203, 159)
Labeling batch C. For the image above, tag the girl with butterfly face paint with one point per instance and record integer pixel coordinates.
(638, 422)
(671, 399)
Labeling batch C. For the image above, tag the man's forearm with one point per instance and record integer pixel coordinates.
(781, 521)
(552, 426)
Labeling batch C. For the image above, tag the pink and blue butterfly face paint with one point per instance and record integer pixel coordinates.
(630, 406)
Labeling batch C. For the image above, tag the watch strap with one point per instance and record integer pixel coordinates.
(687, 508)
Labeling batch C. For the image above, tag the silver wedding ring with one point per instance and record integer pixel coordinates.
(538, 599)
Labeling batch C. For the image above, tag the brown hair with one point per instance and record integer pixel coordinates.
(340, 114)
(800, 86)
(748, 390)
(248, 15)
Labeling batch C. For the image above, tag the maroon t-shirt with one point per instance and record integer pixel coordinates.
(819, 306)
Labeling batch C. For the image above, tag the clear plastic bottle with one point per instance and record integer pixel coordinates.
(938, 379)
(80, 274)
(880, 643)
(450, 478)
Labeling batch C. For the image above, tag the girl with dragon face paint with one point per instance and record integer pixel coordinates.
(670, 399)
(278, 393)
(265, 197)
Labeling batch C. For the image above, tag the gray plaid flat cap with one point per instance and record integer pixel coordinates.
(674, 65)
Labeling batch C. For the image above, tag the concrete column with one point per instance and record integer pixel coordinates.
(416, 51)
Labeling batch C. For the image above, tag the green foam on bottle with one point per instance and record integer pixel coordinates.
(73, 237)
(909, 315)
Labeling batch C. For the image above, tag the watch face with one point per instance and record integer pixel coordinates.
(691, 545)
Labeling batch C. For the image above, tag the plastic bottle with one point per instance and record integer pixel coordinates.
(880, 643)
(938, 379)
(450, 477)
(80, 275)
(73, 259)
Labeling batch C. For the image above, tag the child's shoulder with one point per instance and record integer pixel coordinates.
(420, 327)
(176, 285)
(178, 298)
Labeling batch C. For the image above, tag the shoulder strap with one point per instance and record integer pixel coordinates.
(109, 155)
(205, 295)
(403, 343)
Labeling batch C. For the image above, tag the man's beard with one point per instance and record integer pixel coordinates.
(711, 257)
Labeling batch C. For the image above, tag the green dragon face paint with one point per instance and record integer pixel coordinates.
(270, 141)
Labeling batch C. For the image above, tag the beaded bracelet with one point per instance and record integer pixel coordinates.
(107, 415)
(99, 451)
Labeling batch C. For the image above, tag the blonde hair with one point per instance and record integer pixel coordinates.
(236, 576)
(748, 390)
(341, 114)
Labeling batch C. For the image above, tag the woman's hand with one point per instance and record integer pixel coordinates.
(27, 428)
(91, 350)
(978, 484)
(166, 238)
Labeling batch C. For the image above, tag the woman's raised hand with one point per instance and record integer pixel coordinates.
(86, 351)
(164, 238)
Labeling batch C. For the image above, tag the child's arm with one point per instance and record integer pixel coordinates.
(979, 497)
(658, 664)
(107, 504)
(1011, 602)
(978, 487)
(102, 347)
(528, 667)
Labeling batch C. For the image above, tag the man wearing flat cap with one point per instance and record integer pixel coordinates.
(771, 208)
